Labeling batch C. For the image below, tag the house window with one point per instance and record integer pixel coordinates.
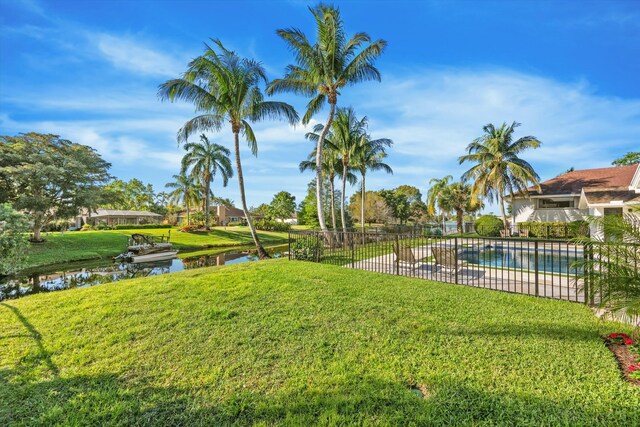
(555, 204)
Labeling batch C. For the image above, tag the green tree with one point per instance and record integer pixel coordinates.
(184, 192)
(130, 195)
(263, 210)
(13, 241)
(53, 177)
(375, 207)
(498, 171)
(631, 158)
(323, 69)
(283, 205)
(369, 157)
(225, 88)
(398, 203)
(207, 160)
(457, 197)
(417, 208)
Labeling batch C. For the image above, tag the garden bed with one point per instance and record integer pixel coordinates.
(626, 353)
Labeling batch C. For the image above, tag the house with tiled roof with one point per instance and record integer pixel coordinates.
(578, 194)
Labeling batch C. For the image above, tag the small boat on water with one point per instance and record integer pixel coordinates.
(147, 248)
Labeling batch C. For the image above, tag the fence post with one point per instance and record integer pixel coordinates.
(289, 252)
(397, 243)
(585, 273)
(536, 268)
(455, 259)
(353, 250)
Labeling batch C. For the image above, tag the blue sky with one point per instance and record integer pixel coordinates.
(567, 70)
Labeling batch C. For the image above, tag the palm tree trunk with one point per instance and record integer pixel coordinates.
(344, 187)
(262, 254)
(504, 213)
(323, 134)
(207, 188)
(460, 218)
(188, 214)
(362, 190)
(333, 204)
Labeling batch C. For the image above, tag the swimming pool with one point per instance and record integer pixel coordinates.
(524, 258)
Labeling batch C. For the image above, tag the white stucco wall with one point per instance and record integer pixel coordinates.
(522, 210)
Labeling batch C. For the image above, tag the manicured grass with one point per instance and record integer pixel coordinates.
(280, 342)
(88, 245)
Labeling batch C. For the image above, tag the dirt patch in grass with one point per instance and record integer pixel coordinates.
(625, 359)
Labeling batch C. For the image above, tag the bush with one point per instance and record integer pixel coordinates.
(13, 240)
(307, 249)
(140, 226)
(59, 225)
(188, 228)
(556, 230)
(86, 227)
(489, 226)
(268, 225)
(234, 224)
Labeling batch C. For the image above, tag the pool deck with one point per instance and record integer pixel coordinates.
(557, 286)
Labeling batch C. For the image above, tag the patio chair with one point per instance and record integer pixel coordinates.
(405, 254)
(505, 233)
(447, 258)
(524, 232)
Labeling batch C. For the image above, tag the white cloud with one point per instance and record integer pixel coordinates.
(132, 55)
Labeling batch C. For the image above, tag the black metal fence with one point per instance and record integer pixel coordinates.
(544, 268)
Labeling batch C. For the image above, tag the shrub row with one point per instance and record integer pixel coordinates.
(140, 226)
(268, 225)
(564, 230)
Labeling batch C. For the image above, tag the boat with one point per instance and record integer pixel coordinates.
(147, 248)
(156, 256)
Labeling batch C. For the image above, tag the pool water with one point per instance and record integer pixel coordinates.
(523, 258)
(90, 274)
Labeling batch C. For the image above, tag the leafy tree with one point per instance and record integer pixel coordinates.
(184, 192)
(130, 195)
(206, 160)
(307, 211)
(498, 171)
(376, 209)
(457, 197)
(225, 88)
(263, 210)
(52, 177)
(417, 208)
(13, 241)
(631, 158)
(283, 205)
(323, 69)
(398, 203)
(369, 157)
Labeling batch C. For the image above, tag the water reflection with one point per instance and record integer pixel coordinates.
(91, 275)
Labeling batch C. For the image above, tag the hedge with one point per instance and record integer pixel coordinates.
(489, 225)
(140, 226)
(267, 225)
(563, 230)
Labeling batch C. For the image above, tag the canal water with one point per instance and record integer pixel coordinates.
(91, 273)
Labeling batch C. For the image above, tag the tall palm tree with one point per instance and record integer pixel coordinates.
(184, 192)
(225, 88)
(457, 198)
(434, 195)
(344, 138)
(498, 171)
(207, 159)
(369, 156)
(332, 168)
(323, 69)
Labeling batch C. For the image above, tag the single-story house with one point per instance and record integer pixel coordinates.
(293, 220)
(220, 215)
(116, 217)
(576, 195)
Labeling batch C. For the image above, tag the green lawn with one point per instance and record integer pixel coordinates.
(293, 343)
(89, 245)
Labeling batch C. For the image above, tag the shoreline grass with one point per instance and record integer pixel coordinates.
(79, 246)
(280, 342)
